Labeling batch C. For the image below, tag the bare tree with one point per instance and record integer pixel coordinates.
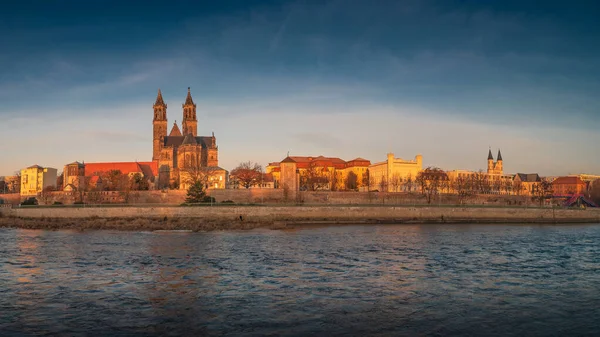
(497, 185)
(314, 178)
(396, 181)
(247, 174)
(543, 191)
(59, 181)
(431, 181)
(409, 183)
(383, 184)
(462, 186)
(517, 187)
(192, 171)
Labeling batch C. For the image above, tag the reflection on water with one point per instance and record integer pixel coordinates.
(352, 280)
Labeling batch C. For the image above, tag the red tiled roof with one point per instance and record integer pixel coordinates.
(568, 181)
(146, 168)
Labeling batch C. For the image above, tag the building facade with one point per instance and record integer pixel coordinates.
(34, 179)
(395, 174)
(567, 186)
(307, 173)
(526, 184)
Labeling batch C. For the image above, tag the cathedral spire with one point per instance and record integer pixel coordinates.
(159, 99)
(490, 157)
(189, 123)
(500, 155)
(188, 99)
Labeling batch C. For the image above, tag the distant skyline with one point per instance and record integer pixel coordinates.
(445, 79)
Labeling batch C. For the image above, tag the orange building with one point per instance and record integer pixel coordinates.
(568, 186)
(319, 173)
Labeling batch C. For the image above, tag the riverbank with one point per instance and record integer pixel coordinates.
(275, 217)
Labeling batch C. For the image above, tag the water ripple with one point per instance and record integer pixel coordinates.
(352, 280)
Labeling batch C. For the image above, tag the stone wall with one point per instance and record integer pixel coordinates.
(274, 196)
(318, 213)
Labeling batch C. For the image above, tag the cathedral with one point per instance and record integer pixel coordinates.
(182, 155)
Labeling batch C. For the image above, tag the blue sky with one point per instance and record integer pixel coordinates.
(446, 79)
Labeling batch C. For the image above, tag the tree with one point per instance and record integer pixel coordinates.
(462, 186)
(193, 172)
(351, 182)
(543, 191)
(314, 178)
(482, 183)
(195, 193)
(366, 180)
(396, 181)
(383, 184)
(409, 183)
(59, 181)
(114, 180)
(517, 187)
(247, 174)
(594, 191)
(139, 183)
(431, 181)
(16, 183)
(46, 194)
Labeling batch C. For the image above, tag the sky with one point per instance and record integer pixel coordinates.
(342, 78)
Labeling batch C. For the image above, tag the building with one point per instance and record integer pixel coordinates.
(395, 174)
(182, 156)
(35, 179)
(89, 176)
(567, 186)
(526, 184)
(319, 173)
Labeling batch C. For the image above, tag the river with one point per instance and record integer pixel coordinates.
(492, 280)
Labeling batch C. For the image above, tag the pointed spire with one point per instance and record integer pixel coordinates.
(159, 99)
(175, 130)
(499, 155)
(188, 99)
(490, 157)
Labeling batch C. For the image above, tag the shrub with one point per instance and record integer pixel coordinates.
(29, 202)
(79, 203)
(227, 202)
(208, 199)
(57, 203)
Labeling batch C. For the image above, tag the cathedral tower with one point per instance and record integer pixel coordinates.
(190, 123)
(159, 124)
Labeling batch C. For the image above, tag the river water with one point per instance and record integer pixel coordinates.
(349, 280)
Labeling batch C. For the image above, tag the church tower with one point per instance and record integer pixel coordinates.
(498, 166)
(159, 124)
(190, 123)
(490, 166)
